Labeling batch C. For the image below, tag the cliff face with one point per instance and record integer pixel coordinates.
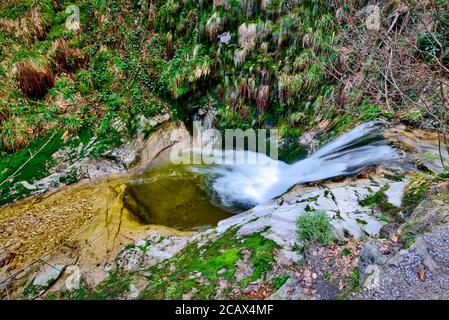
(70, 73)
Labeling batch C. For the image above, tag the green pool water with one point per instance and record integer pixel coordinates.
(172, 196)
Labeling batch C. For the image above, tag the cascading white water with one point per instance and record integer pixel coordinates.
(246, 185)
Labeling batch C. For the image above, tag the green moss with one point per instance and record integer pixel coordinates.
(369, 112)
(29, 164)
(51, 297)
(261, 256)
(279, 281)
(115, 286)
(380, 200)
(412, 197)
(393, 177)
(206, 261)
(31, 291)
(200, 269)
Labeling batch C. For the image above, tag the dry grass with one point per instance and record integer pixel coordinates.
(67, 59)
(27, 27)
(214, 25)
(248, 36)
(34, 81)
(262, 98)
(169, 46)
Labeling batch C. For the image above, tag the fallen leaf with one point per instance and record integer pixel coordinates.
(65, 136)
(422, 275)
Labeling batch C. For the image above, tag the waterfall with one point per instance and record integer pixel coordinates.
(239, 186)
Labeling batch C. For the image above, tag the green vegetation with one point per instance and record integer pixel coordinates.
(379, 200)
(412, 198)
(36, 161)
(259, 63)
(194, 270)
(130, 63)
(353, 284)
(315, 226)
(436, 47)
(31, 291)
(21, 166)
(279, 281)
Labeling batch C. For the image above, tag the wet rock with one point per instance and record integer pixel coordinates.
(130, 260)
(45, 278)
(136, 287)
(291, 290)
(419, 272)
(418, 145)
(244, 267)
(163, 250)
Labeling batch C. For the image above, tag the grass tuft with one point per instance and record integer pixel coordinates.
(34, 80)
(315, 226)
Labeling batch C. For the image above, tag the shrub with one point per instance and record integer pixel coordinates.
(315, 226)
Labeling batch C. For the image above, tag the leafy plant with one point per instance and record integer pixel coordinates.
(315, 226)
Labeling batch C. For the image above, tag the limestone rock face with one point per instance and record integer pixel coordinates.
(74, 163)
(48, 276)
(130, 260)
(163, 249)
(339, 200)
(418, 144)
